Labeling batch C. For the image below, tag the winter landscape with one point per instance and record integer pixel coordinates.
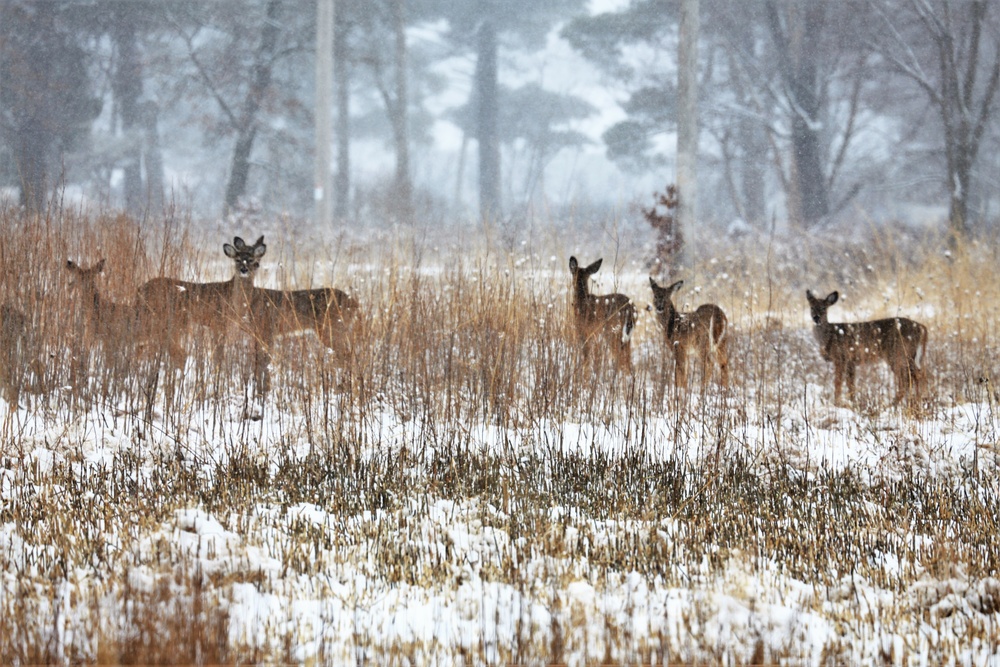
(462, 486)
(298, 363)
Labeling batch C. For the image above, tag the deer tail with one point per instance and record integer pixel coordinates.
(716, 337)
(921, 347)
(629, 324)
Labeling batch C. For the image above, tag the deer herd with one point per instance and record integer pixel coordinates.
(898, 341)
(165, 310)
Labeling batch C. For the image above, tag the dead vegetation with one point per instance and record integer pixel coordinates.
(460, 446)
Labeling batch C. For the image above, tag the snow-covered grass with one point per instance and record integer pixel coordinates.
(465, 487)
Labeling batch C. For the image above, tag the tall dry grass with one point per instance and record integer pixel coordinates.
(464, 385)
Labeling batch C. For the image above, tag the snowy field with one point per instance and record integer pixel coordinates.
(463, 488)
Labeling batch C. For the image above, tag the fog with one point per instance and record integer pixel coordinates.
(809, 116)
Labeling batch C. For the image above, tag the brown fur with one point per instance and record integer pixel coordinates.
(704, 332)
(171, 306)
(275, 313)
(104, 320)
(896, 340)
(611, 316)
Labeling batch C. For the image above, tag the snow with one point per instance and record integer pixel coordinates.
(300, 581)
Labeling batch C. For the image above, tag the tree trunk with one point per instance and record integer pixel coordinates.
(959, 158)
(323, 116)
(239, 171)
(29, 86)
(400, 127)
(797, 62)
(687, 122)
(30, 154)
(753, 147)
(154, 159)
(487, 132)
(127, 87)
(342, 82)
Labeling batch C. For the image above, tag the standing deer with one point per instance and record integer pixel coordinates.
(609, 315)
(169, 306)
(275, 313)
(105, 321)
(705, 332)
(896, 340)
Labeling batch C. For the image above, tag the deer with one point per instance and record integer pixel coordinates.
(900, 342)
(275, 313)
(104, 320)
(611, 316)
(705, 332)
(168, 307)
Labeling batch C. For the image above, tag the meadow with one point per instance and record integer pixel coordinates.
(459, 485)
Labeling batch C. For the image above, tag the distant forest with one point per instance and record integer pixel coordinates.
(807, 112)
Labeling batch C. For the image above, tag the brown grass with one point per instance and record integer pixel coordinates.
(454, 345)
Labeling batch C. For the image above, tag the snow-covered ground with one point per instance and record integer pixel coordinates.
(440, 515)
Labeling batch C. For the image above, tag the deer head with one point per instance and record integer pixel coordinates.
(247, 258)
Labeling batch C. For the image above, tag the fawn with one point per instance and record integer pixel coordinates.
(169, 306)
(104, 320)
(274, 313)
(705, 332)
(610, 315)
(896, 340)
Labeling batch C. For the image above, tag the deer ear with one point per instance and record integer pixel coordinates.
(573, 265)
(652, 283)
(676, 286)
(594, 268)
(259, 248)
(239, 243)
(809, 295)
(260, 241)
(100, 266)
(832, 298)
(229, 250)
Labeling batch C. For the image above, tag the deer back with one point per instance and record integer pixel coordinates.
(281, 312)
(104, 318)
(703, 328)
(178, 303)
(893, 339)
(594, 313)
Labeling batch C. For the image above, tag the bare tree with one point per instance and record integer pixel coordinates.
(795, 34)
(246, 122)
(951, 52)
(387, 20)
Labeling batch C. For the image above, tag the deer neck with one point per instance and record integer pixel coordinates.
(240, 291)
(674, 321)
(582, 294)
(92, 299)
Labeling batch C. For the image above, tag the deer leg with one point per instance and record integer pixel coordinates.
(680, 366)
(850, 372)
(625, 356)
(838, 380)
(722, 359)
(907, 378)
(262, 361)
(178, 355)
(917, 374)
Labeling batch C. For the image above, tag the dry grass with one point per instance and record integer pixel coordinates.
(464, 402)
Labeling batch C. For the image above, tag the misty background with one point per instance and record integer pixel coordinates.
(810, 115)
